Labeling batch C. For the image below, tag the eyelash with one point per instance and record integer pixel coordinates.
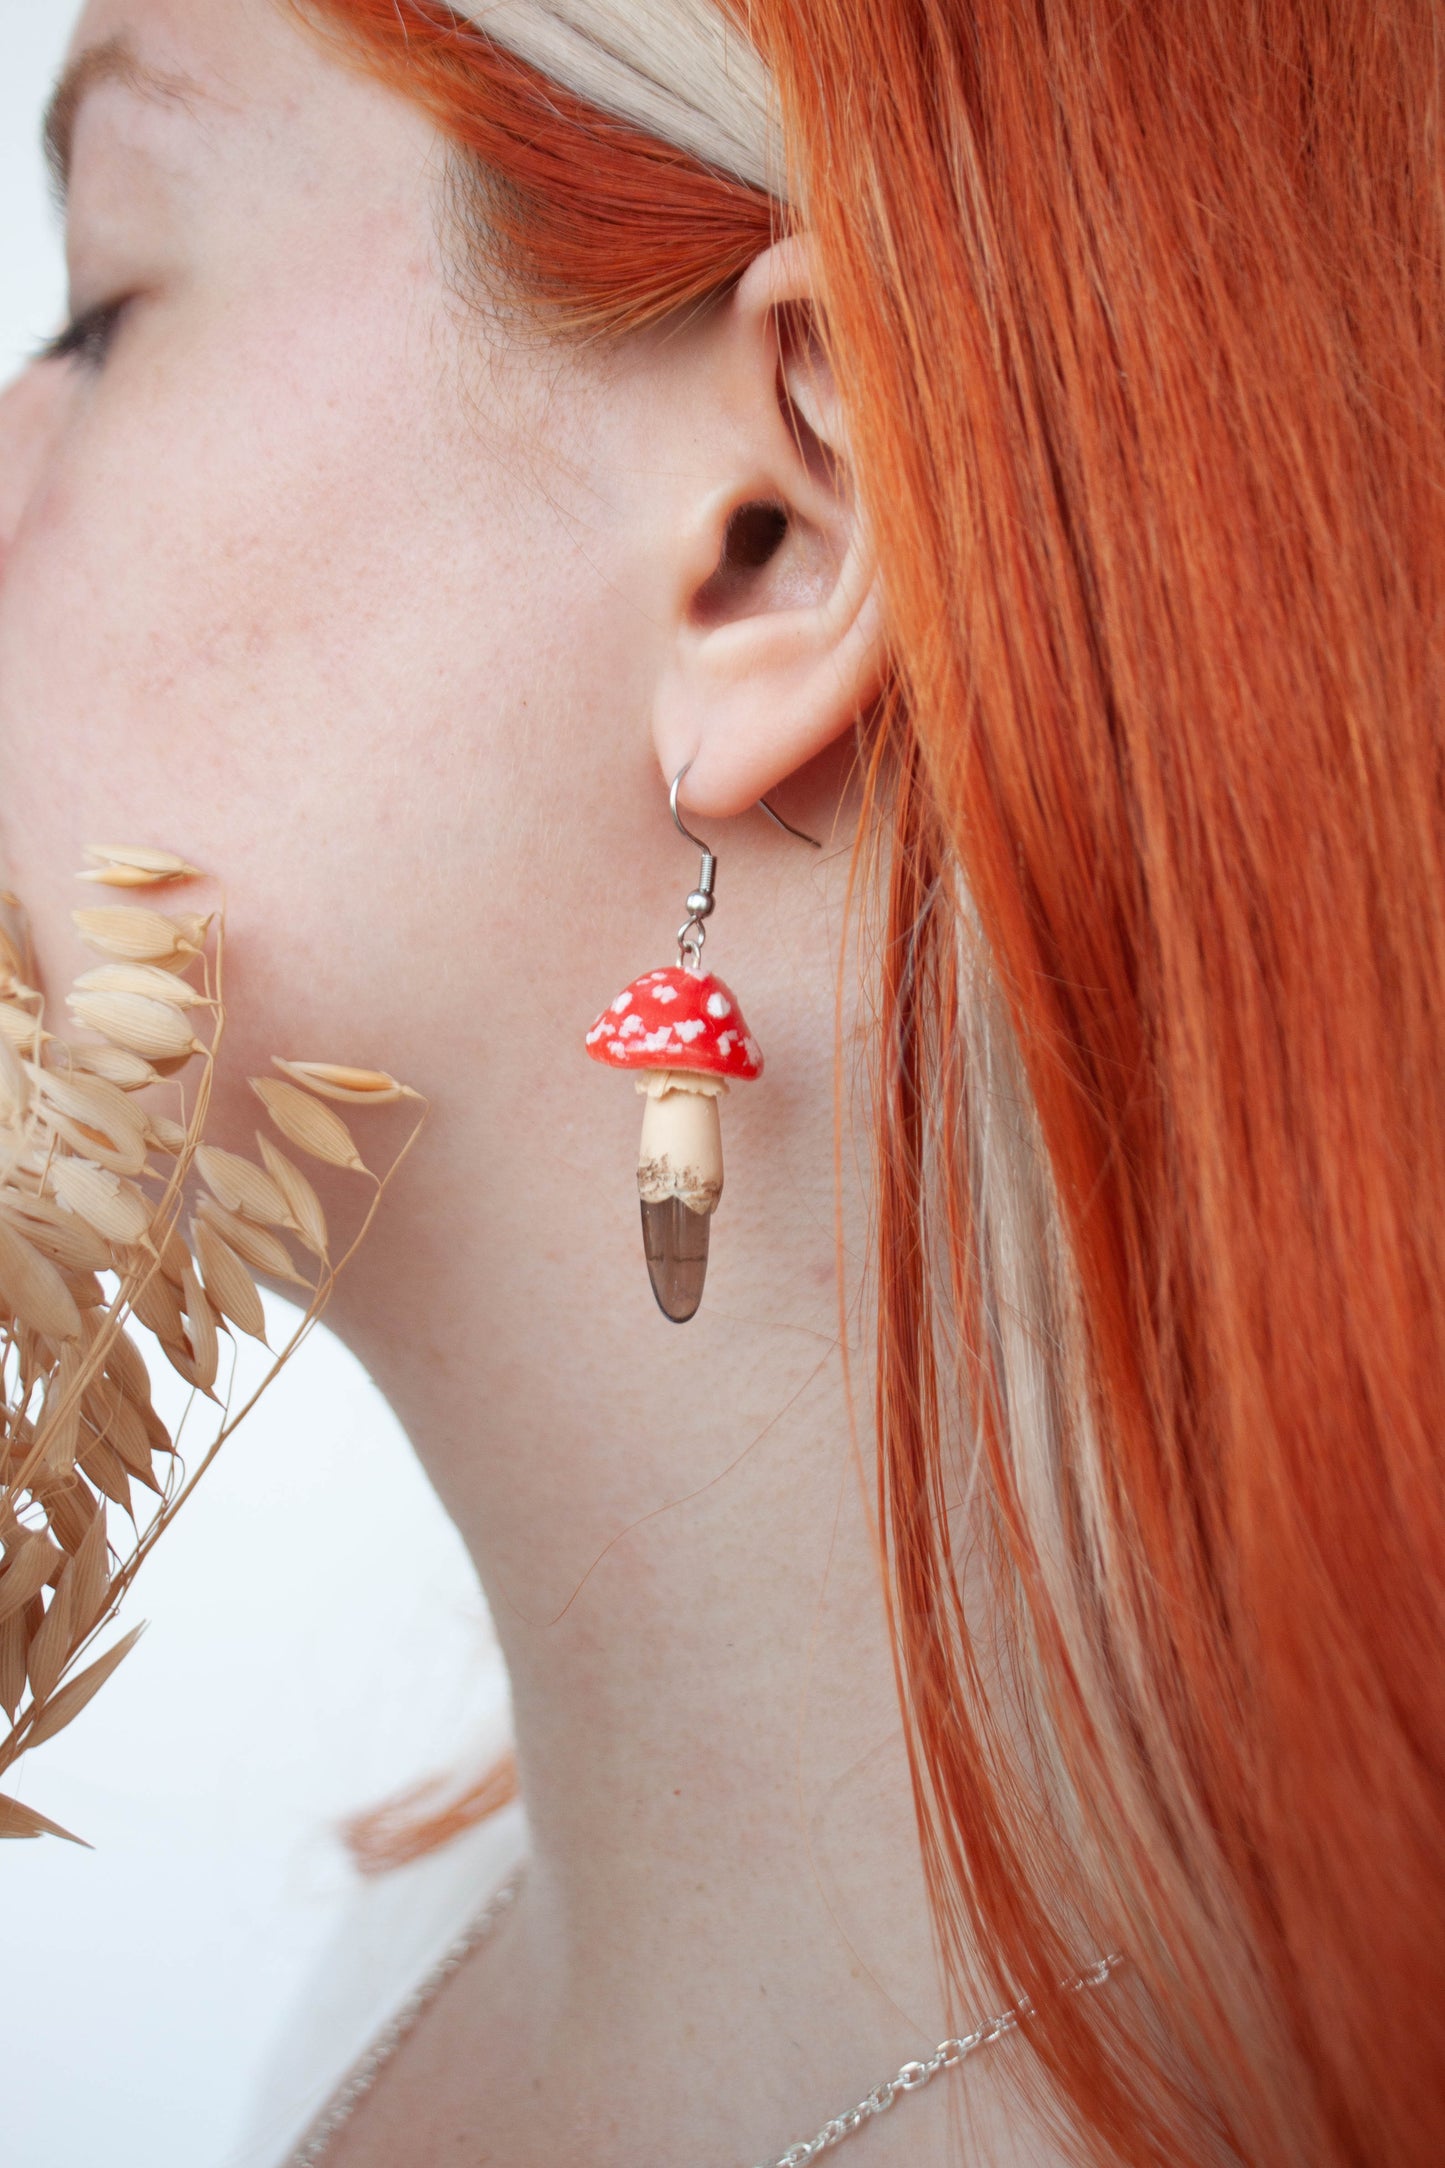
(87, 338)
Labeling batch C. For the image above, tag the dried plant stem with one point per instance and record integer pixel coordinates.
(79, 1197)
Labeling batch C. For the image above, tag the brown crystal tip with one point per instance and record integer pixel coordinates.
(674, 1242)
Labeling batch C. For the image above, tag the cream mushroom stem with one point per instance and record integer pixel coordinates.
(680, 1153)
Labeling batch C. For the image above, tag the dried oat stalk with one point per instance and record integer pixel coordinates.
(93, 1183)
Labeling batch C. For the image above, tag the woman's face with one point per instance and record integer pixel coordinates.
(302, 576)
(310, 575)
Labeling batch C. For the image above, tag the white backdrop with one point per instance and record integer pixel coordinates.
(273, 1691)
(33, 36)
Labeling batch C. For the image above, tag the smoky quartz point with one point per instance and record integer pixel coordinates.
(674, 1239)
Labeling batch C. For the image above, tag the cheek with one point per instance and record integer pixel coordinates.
(257, 613)
(356, 649)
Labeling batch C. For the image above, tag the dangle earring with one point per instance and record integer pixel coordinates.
(682, 1028)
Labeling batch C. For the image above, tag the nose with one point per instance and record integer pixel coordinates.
(32, 408)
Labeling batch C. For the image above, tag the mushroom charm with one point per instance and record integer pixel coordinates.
(684, 1030)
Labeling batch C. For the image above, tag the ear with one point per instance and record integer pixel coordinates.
(774, 647)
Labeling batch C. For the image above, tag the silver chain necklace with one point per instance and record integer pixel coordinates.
(911, 2078)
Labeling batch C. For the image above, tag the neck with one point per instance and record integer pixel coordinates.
(721, 1826)
(682, 1573)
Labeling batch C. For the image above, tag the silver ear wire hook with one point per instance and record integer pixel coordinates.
(703, 901)
(772, 816)
(672, 801)
(791, 830)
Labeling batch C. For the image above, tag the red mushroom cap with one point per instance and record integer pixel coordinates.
(676, 1019)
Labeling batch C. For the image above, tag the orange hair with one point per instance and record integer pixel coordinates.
(1139, 323)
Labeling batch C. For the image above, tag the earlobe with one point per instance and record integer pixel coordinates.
(776, 647)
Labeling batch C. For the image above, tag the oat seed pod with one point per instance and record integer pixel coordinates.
(354, 1087)
(138, 936)
(116, 866)
(307, 1124)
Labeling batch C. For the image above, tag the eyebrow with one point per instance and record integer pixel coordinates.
(114, 61)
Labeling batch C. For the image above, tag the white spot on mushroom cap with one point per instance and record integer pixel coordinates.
(664, 993)
(624, 1000)
(599, 1031)
(631, 1025)
(725, 1043)
(719, 1005)
(689, 1028)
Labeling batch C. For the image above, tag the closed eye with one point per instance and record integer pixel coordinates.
(87, 338)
